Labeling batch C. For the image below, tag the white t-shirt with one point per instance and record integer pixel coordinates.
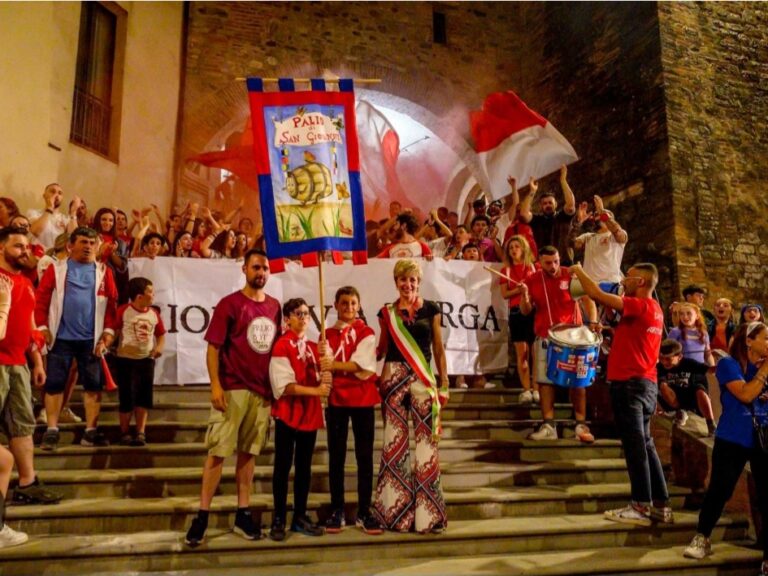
(55, 225)
(602, 256)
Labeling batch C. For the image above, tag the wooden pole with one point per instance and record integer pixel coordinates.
(502, 275)
(322, 294)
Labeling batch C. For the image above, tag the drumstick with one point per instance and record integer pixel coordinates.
(502, 275)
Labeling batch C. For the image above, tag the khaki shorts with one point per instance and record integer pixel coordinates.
(540, 360)
(244, 427)
(16, 417)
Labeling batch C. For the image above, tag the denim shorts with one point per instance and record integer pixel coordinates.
(60, 359)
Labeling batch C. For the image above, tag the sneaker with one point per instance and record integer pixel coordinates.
(438, 528)
(700, 547)
(68, 417)
(303, 525)
(140, 440)
(368, 524)
(536, 396)
(277, 531)
(631, 514)
(335, 522)
(42, 417)
(50, 440)
(681, 417)
(489, 385)
(583, 434)
(196, 533)
(662, 514)
(126, 440)
(94, 438)
(245, 526)
(35, 493)
(545, 432)
(526, 397)
(10, 537)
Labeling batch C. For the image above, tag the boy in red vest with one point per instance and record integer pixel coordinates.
(297, 386)
(352, 360)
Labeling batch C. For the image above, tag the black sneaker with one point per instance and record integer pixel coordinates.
(139, 440)
(35, 493)
(94, 438)
(196, 533)
(50, 440)
(335, 522)
(245, 526)
(277, 532)
(303, 525)
(367, 523)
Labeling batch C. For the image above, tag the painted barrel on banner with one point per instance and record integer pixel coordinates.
(572, 355)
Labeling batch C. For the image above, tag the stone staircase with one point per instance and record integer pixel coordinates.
(514, 506)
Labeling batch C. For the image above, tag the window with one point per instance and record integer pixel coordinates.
(98, 78)
(439, 34)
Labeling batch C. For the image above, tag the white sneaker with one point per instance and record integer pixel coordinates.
(545, 432)
(42, 417)
(489, 385)
(536, 397)
(681, 417)
(629, 515)
(583, 434)
(10, 537)
(700, 547)
(68, 417)
(526, 397)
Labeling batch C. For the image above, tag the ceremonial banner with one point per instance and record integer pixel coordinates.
(306, 154)
(473, 313)
(513, 140)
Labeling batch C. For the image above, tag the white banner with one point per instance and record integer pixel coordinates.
(474, 315)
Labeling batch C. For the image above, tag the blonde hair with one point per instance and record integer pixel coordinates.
(407, 267)
(698, 325)
(527, 252)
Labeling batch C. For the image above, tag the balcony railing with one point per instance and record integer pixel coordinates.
(90, 122)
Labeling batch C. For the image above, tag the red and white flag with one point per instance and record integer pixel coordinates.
(513, 140)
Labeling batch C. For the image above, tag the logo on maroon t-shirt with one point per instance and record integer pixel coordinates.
(261, 334)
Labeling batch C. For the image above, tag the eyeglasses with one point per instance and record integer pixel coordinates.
(301, 314)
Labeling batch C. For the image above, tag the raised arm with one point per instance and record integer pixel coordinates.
(570, 200)
(525, 206)
(594, 291)
(618, 232)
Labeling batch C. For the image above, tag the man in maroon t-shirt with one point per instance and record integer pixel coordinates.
(240, 338)
(632, 377)
(548, 292)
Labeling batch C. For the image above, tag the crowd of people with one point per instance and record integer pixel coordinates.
(65, 292)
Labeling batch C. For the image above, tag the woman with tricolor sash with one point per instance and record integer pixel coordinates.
(411, 498)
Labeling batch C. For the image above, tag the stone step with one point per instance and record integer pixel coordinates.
(199, 411)
(123, 515)
(585, 535)
(192, 454)
(175, 481)
(194, 430)
(730, 559)
(202, 393)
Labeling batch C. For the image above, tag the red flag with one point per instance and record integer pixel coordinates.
(513, 140)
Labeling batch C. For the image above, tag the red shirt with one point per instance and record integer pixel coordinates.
(300, 367)
(18, 333)
(636, 341)
(519, 273)
(245, 332)
(354, 343)
(562, 308)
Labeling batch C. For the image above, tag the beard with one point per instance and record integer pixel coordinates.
(258, 282)
(16, 263)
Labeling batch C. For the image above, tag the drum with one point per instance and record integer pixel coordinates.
(572, 355)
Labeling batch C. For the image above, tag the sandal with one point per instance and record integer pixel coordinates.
(140, 440)
(126, 440)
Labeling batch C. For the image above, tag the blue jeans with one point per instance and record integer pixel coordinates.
(634, 402)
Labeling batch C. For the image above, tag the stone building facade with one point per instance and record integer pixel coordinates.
(665, 103)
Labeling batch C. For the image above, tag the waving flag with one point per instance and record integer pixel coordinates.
(307, 165)
(513, 140)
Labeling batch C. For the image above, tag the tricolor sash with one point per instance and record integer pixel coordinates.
(416, 361)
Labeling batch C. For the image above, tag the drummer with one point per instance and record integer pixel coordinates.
(547, 292)
(632, 376)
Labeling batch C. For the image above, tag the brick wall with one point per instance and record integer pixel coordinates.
(715, 59)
